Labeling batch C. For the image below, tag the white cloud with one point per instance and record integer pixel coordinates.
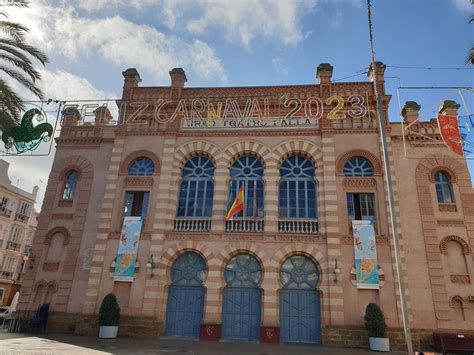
(243, 21)
(61, 85)
(463, 5)
(119, 41)
(279, 67)
(240, 21)
(336, 20)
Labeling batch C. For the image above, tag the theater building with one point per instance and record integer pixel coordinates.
(285, 268)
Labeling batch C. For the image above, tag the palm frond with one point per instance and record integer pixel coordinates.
(19, 3)
(8, 49)
(11, 105)
(470, 57)
(38, 54)
(14, 30)
(22, 80)
(26, 67)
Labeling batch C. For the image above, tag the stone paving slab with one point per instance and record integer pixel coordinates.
(78, 345)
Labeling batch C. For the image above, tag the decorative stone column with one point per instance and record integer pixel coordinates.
(410, 112)
(271, 196)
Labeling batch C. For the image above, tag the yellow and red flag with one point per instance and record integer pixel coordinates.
(449, 130)
(238, 204)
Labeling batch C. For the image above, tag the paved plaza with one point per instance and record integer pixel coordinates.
(72, 344)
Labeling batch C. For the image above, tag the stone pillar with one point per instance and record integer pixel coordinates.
(333, 303)
(105, 218)
(399, 236)
(178, 79)
(324, 73)
(271, 178)
(154, 300)
(380, 72)
(410, 112)
(131, 78)
(221, 191)
(449, 108)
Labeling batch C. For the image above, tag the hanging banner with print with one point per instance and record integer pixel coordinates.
(128, 248)
(449, 130)
(367, 271)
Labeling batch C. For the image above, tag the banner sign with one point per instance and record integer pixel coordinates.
(367, 271)
(449, 130)
(128, 248)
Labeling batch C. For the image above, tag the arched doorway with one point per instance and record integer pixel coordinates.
(300, 312)
(241, 309)
(185, 305)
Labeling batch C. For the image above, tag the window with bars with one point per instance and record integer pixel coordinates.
(8, 264)
(444, 188)
(196, 192)
(23, 212)
(297, 194)
(4, 207)
(361, 206)
(141, 167)
(358, 166)
(247, 172)
(70, 185)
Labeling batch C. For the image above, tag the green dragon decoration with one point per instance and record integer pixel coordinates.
(25, 136)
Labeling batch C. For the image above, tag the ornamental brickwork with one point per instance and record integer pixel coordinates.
(325, 124)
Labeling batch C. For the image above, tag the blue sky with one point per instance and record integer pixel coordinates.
(244, 42)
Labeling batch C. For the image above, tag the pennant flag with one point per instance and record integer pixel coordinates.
(449, 130)
(238, 204)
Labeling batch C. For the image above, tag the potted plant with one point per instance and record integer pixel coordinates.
(109, 317)
(377, 328)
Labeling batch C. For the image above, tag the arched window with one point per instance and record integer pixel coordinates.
(247, 172)
(297, 197)
(358, 166)
(197, 188)
(444, 189)
(141, 167)
(70, 186)
(456, 258)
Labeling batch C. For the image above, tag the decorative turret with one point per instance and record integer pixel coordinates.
(324, 73)
(410, 111)
(131, 78)
(178, 78)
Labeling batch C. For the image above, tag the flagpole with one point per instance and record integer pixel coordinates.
(390, 195)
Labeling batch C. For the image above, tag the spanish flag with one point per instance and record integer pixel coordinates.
(238, 204)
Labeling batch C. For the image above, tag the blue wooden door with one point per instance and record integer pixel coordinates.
(185, 307)
(300, 310)
(184, 311)
(241, 313)
(241, 309)
(300, 317)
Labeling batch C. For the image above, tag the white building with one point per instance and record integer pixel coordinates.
(17, 228)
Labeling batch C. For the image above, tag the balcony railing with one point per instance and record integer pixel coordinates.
(5, 212)
(22, 217)
(13, 246)
(189, 224)
(6, 275)
(245, 225)
(298, 226)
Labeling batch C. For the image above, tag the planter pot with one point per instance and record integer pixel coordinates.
(108, 332)
(379, 344)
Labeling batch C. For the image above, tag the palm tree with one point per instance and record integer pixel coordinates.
(16, 63)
